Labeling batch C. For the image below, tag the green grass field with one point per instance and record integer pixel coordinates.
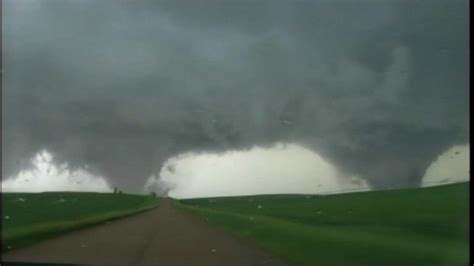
(31, 217)
(426, 226)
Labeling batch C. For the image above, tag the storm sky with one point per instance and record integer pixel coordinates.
(379, 89)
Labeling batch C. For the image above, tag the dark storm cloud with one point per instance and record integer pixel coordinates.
(378, 87)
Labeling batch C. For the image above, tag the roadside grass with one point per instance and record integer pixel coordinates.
(426, 226)
(28, 218)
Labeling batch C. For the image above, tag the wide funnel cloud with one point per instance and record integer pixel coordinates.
(378, 88)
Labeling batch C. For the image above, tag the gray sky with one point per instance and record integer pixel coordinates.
(379, 89)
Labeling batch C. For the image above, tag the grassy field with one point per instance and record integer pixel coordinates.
(31, 217)
(426, 226)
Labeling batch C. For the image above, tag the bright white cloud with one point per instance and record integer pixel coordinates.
(281, 169)
(46, 176)
(450, 166)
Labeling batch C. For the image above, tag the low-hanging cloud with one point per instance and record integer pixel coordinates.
(46, 176)
(451, 166)
(250, 172)
(377, 88)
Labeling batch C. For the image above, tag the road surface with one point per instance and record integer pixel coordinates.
(163, 236)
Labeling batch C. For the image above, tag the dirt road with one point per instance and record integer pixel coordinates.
(163, 236)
